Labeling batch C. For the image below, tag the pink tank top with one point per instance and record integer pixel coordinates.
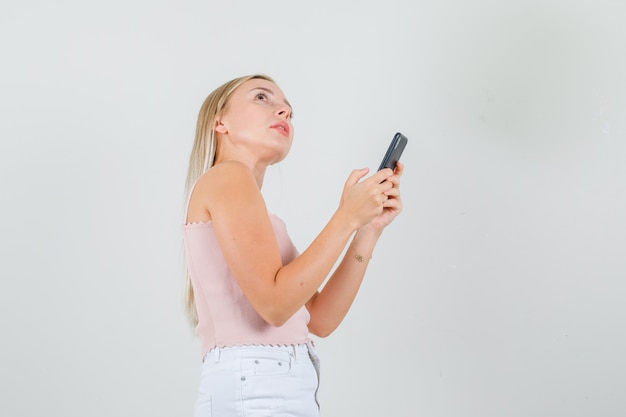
(225, 316)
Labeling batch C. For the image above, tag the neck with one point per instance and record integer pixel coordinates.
(258, 168)
(256, 159)
(259, 174)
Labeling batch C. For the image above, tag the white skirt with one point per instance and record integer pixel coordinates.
(259, 381)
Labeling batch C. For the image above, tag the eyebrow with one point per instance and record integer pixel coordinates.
(272, 93)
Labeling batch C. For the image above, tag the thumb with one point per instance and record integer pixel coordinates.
(356, 175)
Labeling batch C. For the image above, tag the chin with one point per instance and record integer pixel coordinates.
(282, 151)
(278, 159)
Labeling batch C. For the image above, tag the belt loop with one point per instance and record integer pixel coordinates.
(213, 354)
(294, 349)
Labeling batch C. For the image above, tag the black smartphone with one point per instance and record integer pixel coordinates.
(394, 151)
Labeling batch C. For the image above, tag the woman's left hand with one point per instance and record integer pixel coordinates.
(392, 206)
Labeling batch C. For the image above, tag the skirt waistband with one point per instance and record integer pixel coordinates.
(218, 353)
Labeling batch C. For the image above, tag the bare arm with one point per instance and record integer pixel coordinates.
(247, 240)
(329, 307)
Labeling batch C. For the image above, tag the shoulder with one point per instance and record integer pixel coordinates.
(227, 171)
(228, 176)
(228, 185)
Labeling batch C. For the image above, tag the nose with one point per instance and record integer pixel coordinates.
(284, 112)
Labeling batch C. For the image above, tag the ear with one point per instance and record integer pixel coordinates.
(218, 126)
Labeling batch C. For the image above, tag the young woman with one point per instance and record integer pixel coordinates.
(253, 298)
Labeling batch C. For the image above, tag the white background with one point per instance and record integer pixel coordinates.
(498, 292)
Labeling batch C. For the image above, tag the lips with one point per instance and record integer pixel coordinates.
(281, 127)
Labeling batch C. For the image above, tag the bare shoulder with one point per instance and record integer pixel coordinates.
(223, 186)
(224, 174)
(227, 188)
(227, 179)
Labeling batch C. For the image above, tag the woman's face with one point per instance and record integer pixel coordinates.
(258, 115)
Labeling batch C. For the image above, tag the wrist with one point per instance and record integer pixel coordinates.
(361, 258)
(368, 232)
(363, 244)
(345, 220)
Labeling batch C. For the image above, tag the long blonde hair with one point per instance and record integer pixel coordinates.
(203, 156)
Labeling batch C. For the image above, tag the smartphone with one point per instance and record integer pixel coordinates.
(394, 151)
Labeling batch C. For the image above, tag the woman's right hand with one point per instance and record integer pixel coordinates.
(361, 201)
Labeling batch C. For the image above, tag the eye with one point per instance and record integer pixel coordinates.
(261, 96)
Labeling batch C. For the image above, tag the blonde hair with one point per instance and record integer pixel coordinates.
(203, 156)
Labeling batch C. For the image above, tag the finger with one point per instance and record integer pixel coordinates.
(386, 185)
(393, 203)
(394, 192)
(355, 176)
(382, 175)
(395, 180)
(399, 169)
